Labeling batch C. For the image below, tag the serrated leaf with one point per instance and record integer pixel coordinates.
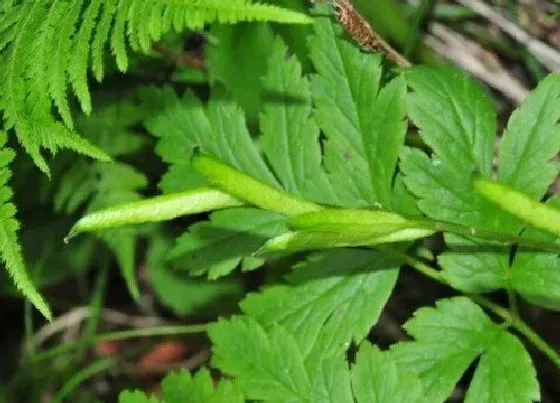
(474, 265)
(448, 338)
(455, 116)
(267, 365)
(181, 387)
(290, 136)
(238, 59)
(219, 130)
(449, 196)
(333, 298)
(218, 246)
(376, 378)
(531, 140)
(505, 373)
(330, 377)
(364, 126)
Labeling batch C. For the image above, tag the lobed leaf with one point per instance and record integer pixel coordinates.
(449, 337)
(362, 147)
(531, 141)
(216, 247)
(278, 374)
(376, 378)
(332, 299)
(289, 135)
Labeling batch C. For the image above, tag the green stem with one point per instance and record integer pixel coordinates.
(81, 376)
(537, 341)
(513, 306)
(440, 226)
(122, 335)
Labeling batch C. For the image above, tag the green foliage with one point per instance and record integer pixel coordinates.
(10, 251)
(181, 386)
(98, 185)
(449, 337)
(216, 247)
(463, 141)
(290, 342)
(171, 286)
(305, 161)
(47, 46)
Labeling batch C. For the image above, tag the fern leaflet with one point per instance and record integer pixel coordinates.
(9, 247)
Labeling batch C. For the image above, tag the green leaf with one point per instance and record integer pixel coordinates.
(219, 130)
(239, 60)
(267, 365)
(186, 295)
(532, 140)
(290, 136)
(10, 249)
(457, 120)
(332, 299)
(178, 387)
(474, 265)
(376, 378)
(518, 204)
(504, 373)
(455, 116)
(449, 337)
(330, 378)
(218, 246)
(535, 275)
(159, 208)
(181, 387)
(364, 126)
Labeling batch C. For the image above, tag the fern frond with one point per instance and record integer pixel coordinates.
(46, 45)
(10, 250)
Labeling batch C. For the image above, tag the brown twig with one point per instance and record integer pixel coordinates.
(360, 30)
(179, 58)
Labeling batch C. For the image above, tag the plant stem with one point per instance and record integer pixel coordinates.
(126, 334)
(537, 341)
